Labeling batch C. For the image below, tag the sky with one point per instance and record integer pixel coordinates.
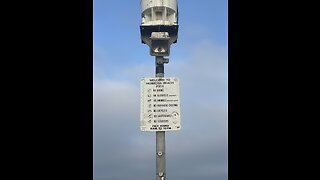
(199, 59)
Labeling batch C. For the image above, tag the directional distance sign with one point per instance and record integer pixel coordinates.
(160, 104)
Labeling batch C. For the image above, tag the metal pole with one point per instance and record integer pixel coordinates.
(160, 135)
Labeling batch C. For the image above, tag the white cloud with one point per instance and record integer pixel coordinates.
(112, 98)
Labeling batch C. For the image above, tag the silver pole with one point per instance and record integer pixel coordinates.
(160, 135)
(161, 158)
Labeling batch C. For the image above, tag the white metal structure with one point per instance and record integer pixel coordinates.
(159, 25)
(159, 12)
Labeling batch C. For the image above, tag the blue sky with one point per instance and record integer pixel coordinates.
(199, 59)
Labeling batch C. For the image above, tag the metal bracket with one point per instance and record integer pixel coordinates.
(162, 60)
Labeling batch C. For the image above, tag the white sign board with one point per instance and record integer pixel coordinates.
(160, 104)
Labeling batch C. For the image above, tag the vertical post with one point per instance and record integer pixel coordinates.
(160, 135)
